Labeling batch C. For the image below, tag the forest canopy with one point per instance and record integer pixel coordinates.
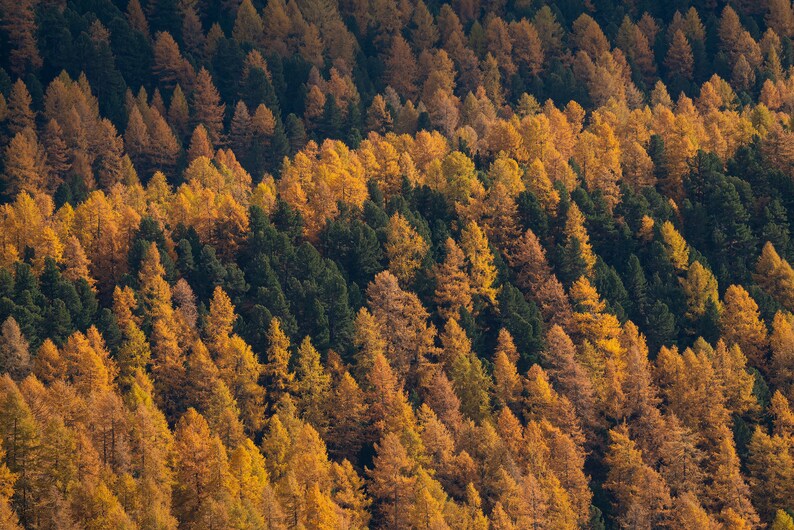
(317, 264)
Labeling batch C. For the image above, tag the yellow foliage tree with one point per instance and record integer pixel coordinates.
(741, 324)
(575, 229)
(700, 288)
(480, 259)
(453, 290)
(405, 249)
(775, 276)
(675, 246)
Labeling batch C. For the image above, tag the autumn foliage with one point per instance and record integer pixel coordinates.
(405, 265)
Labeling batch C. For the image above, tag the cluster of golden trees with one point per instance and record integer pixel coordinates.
(491, 378)
(88, 445)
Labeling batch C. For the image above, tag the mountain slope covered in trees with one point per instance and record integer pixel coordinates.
(356, 264)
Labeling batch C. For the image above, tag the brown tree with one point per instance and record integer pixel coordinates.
(535, 276)
(18, 22)
(453, 290)
(679, 58)
(19, 114)
(207, 107)
(25, 164)
(401, 68)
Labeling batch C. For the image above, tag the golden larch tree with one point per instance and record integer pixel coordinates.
(740, 323)
(405, 249)
(453, 289)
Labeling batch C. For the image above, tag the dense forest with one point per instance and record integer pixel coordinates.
(390, 264)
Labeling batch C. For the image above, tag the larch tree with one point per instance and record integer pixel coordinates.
(549, 30)
(783, 418)
(480, 260)
(201, 495)
(321, 512)
(598, 154)
(201, 376)
(588, 36)
(637, 47)
(164, 148)
(248, 27)
(347, 418)
(637, 387)
(500, 46)
(775, 276)
(179, 113)
(219, 323)
(527, 46)
(8, 518)
(25, 164)
(679, 60)
(185, 302)
(237, 365)
(600, 330)
(378, 117)
(637, 166)
(137, 18)
(19, 114)
(457, 177)
(312, 385)
(780, 17)
(449, 466)
(200, 144)
(14, 353)
(49, 365)
(453, 289)
(535, 276)
(207, 107)
(506, 171)
(687, 512)
(577, 238)
(393, 481)
(729, 491)
(20, 26)
(368, 340)
(568, 375)
(700, 288)
(538, 182)
(57, 153)
(740, 323)
(571, 495)
(425, 33)
(405, 249)
(137, 139)
(240, 131)
(781, 341)
(782, 521)
(402, 70)
(737, 383)
(506, 380)
(641, 495)
(771, 472)
(86, 368)
(465, 370)
(167, 355)
(542, 403)
(388, 407)
(155, 292)
(675, 246)
(276, 369)
(170, 67)
(133, 355)
(20, 440)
